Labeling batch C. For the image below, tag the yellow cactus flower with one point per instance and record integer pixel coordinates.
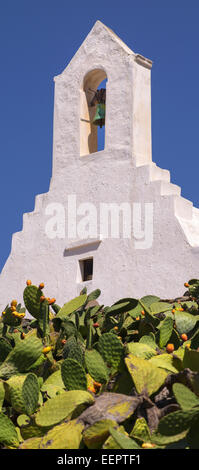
(14, 303)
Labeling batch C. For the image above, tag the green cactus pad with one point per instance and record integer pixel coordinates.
(32, 302)
(43, 319)
(23, 420)
(22, 356)
(63, 406)
(73, 375)
(64, 436)
(165, 331)
(124, 442)
(71, 307)
(54, 379)
(160, 307)
(95, 436)
(32, 430)
(111, 349)
(93, 295)
(185, 322)
(191, 359)
(32, 443)
(5, 348)
(149, 340)
(145, 375)
(110, 443)
(141, 430)
(141, 350)
(96, 366)
(73, 350)
(119, 307)
(30, 393)
(185, 397)
(8, 433)
(23, 393)
(148, 300)
(177, 422)
(165, 361)
(162, 440)
(2, 394)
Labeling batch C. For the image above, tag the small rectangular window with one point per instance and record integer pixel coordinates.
(86, 269)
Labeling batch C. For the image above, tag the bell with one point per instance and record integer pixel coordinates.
(99, 119)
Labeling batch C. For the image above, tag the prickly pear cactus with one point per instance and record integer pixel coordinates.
(31, 296)
(63, 406)
(96, 366)
(111, 349)
(123, 440)
(71, 307)
(23, 393)
(145, 375)
(185, 397)
(8, 433)
(95, 435)
(64, 436)
(73, 375)
(22, 356)
(73, 350)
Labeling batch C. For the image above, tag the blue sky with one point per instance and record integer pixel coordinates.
(38, 39)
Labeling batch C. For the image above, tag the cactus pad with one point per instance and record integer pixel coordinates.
(96, 366)
(94, 436)
(71, 307)
(8, 433)
(32, 302)
(145, 375)
(64, 436)
(73, 375)
(111, 349)
(63, 406)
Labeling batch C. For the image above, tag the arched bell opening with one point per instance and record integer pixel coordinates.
(92, 112)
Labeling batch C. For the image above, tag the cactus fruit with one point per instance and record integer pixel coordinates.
(73, 375)
(63, 406)
(170, 347)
